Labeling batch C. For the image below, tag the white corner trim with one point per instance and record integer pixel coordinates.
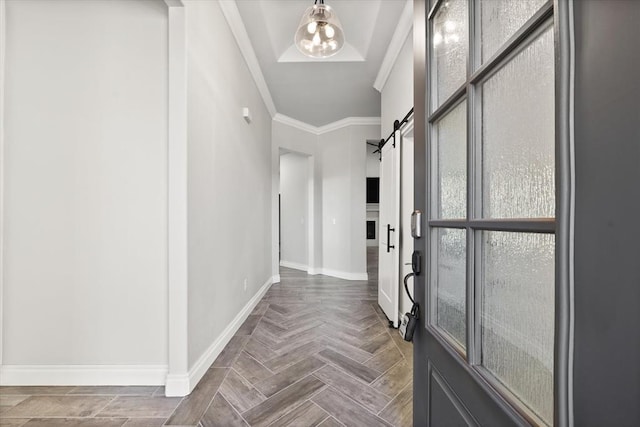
(232, 15)
(3, 38)
(52, 375)
(315, 130)
(181, 385)
(177, 194)
(405, 24)
(275, 278)
(341, 274)
(294, 265)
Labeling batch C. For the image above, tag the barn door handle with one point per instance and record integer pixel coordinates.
(389, 230)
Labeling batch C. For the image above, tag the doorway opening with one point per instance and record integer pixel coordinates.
(296, 210)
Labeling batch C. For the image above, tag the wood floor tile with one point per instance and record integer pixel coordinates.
(385, 358)
(261, 308)
(34, 390)
(259, 351)
(265, 337)
(306, 415)
(58, 406)
(76, 422)
(348, 350)
(330, 331)
(222, 414)
(394, 380)
(376, 343)
(144, 422)
(292, 344)
(239, 392)
(114, 390)
(350, 366)
(330, 422)
(11, 400)
(345, 410)
(288, 376)
(250, 368)
(294, 356)
(406, 348)
(249, 325)
(355, 389)
(13, 422)
(140, 406)
(283, 402)
(192, 407)
(230, 352)
(400, 411)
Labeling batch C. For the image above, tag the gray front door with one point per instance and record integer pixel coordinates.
(487, 132)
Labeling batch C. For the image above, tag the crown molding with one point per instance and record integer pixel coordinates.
(405, 24)
(315, 130)
(232, 15)
(349, 121)
(174, 3)
(286, 120)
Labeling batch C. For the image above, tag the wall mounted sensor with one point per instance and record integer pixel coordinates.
(246, 114)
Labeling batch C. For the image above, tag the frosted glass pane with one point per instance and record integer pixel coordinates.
(518, 315)
(450, 49)
(450, 282)
(518, 135)
(451, 141)
(501, 19)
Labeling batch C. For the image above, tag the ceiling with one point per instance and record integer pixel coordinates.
(322, 91)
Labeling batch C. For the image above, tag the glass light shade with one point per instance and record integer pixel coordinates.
(320, 33)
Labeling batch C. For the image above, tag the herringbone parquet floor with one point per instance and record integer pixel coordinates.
(316, 351)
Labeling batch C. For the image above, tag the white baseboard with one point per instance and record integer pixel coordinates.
(341, 274)
(294, 265)
(181, 385)
(275, 278)
(177, 385)
(314, 271)
(52, 375)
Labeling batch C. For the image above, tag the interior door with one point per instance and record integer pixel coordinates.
(389, 248)
(485, 170)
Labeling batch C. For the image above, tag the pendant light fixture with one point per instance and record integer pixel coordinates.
(320, 33)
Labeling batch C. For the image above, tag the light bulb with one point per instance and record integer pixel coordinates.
(320, 33)
(311, 28)
(329, 31)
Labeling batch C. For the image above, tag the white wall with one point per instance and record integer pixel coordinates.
(344, 200)
(229, 183)
(85, 208)
(373, 162)
(397, 93)
(397, 100)
(294, 210)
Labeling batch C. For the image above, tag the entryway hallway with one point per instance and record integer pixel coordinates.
(315, 351)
